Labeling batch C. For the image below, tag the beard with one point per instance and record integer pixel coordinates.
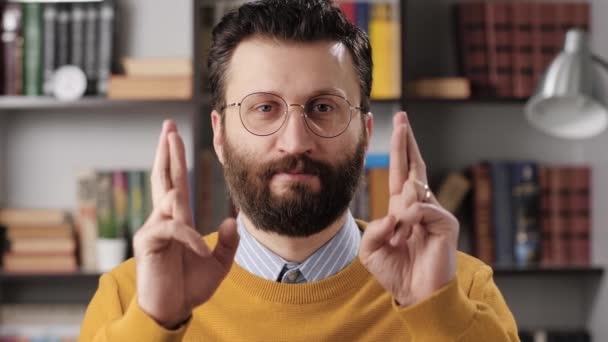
(300, 211)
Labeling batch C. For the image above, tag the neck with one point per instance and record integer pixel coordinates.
(294, 249)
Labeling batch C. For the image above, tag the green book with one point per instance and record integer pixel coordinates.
(32, 52)
(106, 217)
(137, 214)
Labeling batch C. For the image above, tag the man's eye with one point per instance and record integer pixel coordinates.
(322, 108)
(265, 108)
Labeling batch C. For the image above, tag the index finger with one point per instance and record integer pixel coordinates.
(159, 177)
(179, 176)
(398, 161)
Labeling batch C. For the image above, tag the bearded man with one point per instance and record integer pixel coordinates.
(290, 83)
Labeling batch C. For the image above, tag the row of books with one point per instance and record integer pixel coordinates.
(505, 46)
(110, 204)
(379, 19)
(39, 38)
(528, 214)
(37, 240)
(554, 336)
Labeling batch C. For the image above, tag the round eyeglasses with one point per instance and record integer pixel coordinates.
(264, 114)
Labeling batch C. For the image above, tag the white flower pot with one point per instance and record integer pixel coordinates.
(110, 253)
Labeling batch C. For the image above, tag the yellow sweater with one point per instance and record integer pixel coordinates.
(348, 306)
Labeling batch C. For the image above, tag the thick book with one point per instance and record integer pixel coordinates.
(51, 263)
(385, 41)
(86, 218)
(77, 31)
(106, 213)
(91, 37)
(32, 217)
(32, 49)
(559, 193)
(377, 185)
(29, 231)
(525, 206)
(157, 67)
(63, 35)
(472, 44)
(151, 88)
(348, 8)
(499, 45)
(362, 15)
(120, 193)
(137, 214)
(106, 43)
(580, 215)
(49, 18)
(42, 245)
(12, 47)
(483, 234)
(502, 219)
(523, 73)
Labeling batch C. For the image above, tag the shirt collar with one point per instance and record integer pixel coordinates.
(326, 261)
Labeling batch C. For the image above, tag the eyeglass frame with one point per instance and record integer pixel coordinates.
(286, 113)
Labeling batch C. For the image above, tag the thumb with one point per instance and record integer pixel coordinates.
(376, 235)
(227, 243)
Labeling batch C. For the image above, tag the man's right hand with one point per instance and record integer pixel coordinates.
(176, 271)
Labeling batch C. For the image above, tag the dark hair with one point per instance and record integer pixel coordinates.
(292, 20)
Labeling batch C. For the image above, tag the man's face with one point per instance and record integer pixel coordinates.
(292, 182)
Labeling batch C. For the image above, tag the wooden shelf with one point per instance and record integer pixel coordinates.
(73, 288)
(480, 100)
(594, 271)
(23, 103)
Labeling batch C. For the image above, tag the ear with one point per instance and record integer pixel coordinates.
(218, 135)
(369, 128)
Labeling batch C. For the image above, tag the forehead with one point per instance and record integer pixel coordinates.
(291, 69)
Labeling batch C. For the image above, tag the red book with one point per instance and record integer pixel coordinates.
(470, 17)
(483, 239)
(558, 215)
(582, 15)
(523, 79)
(546, 257)
(349, 11)
(499, 31)
(580, 215)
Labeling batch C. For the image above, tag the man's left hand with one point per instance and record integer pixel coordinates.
(412, 250)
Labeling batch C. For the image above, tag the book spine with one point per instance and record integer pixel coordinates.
(526, 212)
(473, 45)
(63, 35)
(546, 257)
(483, 237)
(86, 203)
(32, 49)
(523, 82)
(120, 192)
(384, 43)
(77, 35)
(580, 215)
(501, 213)
(106, 38)
(348, 8)
(50, 36)
(362, 16)
(12, 41)
(91, 44)
(106, 217)
(549, 34)
(558, 215)
(137, 215)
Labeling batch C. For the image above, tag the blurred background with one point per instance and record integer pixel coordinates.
(519, 158)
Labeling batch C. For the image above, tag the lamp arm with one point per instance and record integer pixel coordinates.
(599, 60)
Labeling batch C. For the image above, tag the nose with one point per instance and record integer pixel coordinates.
(294, 137)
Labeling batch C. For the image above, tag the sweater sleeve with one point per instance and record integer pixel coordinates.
(450, 315)
(106, 319)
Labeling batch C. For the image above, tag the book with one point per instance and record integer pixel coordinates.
(63, 35)
(42, 245)
(453, 191)
(157, 67)
(483, 233)
(385, 40)
(557, 215)
(377, 185)
(499, 46)
(106, 215)
(23, 263)
(62, 230)
(77, 31)
(106, 43)
(12, 47)
(472, 42)
(91, 36)
(137, 211)
(502, 220)
(523, 73)
(32, 217)
(362, 15)
(579, 222)
(32, 49)
(440, 88)
(86, 218)
(525, 200)
(156, 88)
(348, 8)
(49, 15)
(120, 200)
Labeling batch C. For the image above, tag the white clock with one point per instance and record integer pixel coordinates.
(69, 83)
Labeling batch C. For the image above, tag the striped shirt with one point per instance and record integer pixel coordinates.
(326, 261)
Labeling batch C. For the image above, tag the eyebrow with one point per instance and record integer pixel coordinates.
(321, 91)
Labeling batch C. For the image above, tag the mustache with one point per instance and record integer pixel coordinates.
(293, 163)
